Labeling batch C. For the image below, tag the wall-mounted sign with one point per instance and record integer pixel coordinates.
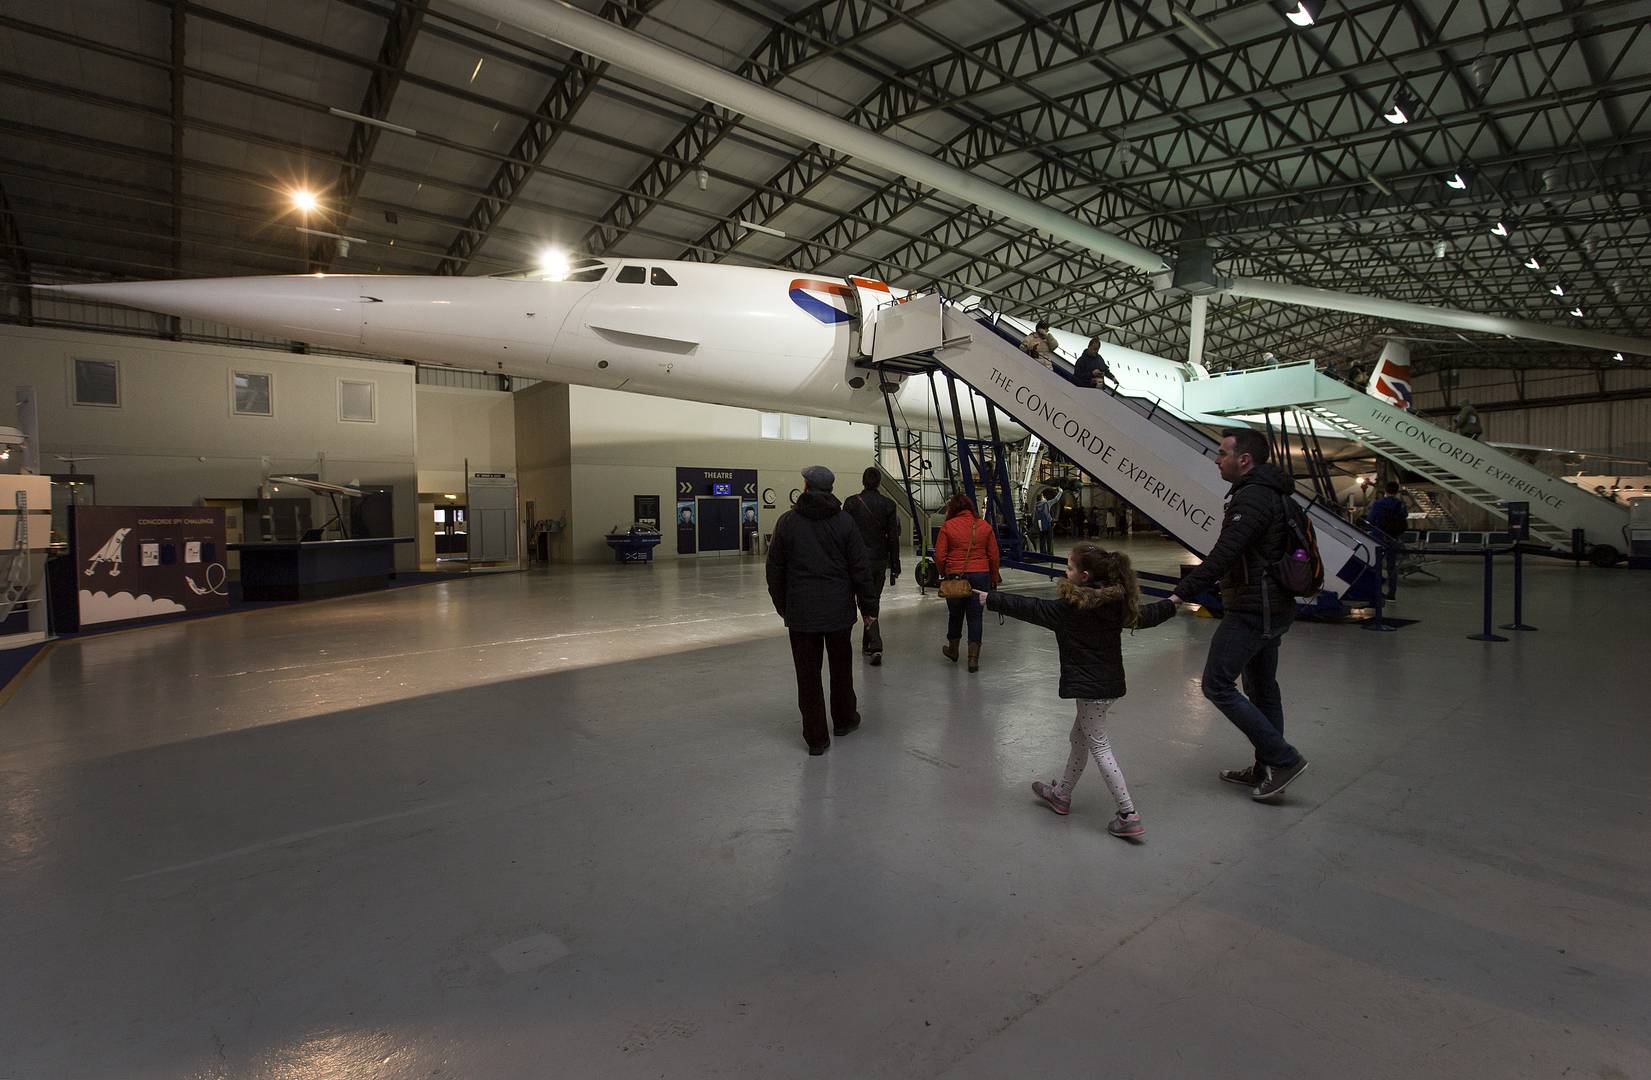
(137, 562)
(691, 483)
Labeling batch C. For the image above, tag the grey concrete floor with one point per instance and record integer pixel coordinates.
(561, 824)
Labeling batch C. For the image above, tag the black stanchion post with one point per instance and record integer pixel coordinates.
(1379, 623)
(1486, 635)
(1518, 593)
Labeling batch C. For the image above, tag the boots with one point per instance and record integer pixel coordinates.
(949, 650)
(974, 657)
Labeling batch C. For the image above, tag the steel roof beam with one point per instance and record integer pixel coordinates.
(401, 29)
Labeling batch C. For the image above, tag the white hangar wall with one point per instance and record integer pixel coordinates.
(174, 437)
(583, 453)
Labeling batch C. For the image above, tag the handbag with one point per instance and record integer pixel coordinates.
(956, 586)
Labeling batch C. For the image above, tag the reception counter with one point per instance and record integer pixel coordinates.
(314, 569)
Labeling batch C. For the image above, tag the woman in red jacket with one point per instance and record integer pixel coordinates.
(966, 545)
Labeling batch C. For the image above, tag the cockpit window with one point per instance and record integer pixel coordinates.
(632, 275)
(659, 277)
(593, 274)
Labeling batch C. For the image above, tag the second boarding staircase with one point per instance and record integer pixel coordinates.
(1474, 471)
(1155, 458)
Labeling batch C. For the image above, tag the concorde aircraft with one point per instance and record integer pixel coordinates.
(730, 335)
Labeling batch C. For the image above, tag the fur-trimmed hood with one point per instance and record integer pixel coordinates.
(1087, 597)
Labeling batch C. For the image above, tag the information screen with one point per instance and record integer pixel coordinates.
(724, 487)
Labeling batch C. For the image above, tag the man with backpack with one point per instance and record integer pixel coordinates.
(879, 522)
(1260, 549)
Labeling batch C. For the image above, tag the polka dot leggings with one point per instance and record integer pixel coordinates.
(1089, 738)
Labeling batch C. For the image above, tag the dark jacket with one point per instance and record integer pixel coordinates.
(1088, 625)
(1083, 372)
(1251, 542)
(1388, 514)
(879, 521)
(817, 566)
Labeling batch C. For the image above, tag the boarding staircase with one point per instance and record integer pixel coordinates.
(1138, 446)
(1476, 472)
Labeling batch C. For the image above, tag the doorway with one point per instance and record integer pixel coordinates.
(719, 524)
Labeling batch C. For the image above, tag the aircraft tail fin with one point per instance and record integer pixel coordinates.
(1390, 379)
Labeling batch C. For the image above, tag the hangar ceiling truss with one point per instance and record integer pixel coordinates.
(163, 138)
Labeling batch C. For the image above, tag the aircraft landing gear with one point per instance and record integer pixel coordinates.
(1604, 555)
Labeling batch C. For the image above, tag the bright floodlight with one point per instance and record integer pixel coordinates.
(304, 200)
(1499, 229)
(1456, 182)
(553, 264)
(1397, 116)
(1300, 16)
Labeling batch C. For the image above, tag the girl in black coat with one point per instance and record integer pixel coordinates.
(1099, 598)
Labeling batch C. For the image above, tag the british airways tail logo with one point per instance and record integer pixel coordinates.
(1391, 382)
(827, 301)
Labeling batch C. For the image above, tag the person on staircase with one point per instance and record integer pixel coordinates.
(968, 546)
(1092, 370)
(879, 522)
(1040, 345)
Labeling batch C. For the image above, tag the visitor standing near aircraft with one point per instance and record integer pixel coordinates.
(1256, 611)
(817, 571)
(879, 522)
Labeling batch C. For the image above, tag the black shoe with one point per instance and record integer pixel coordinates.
(876, 659)
(851, 729)
(816, 751)
(1275, 778)
(1249, 777)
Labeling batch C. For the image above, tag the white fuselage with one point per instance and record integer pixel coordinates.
(761, 339)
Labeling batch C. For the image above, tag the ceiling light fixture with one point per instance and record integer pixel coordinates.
(764, 229)
(1558, 290)
(1301, 15)
(373, 121)
(1618, 358)
(1456, 182)
(303, 200)
(1532, 264)
(1577, 311)
(1376, 182)
(1499, 229)
(1441, 248)
(1405, 108)
(1196, 28)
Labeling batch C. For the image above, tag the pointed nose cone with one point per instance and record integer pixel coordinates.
(317, 308)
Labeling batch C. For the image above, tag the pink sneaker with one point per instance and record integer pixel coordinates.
(1127, 826)
(1051, 794)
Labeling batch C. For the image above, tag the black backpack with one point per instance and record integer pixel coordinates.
(1300, 570)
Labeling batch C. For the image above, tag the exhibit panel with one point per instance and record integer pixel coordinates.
(140, 562)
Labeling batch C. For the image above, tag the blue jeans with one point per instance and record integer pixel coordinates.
(1239, 648)
(957, 609)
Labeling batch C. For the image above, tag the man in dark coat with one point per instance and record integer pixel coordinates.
(1092, 368)
(817, 570)
(879, 522)
(1256, 610)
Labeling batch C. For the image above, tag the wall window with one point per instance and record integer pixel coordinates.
(357, 401)
(796, 428)
(771, 426)
(254, 393)
(97, 382)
